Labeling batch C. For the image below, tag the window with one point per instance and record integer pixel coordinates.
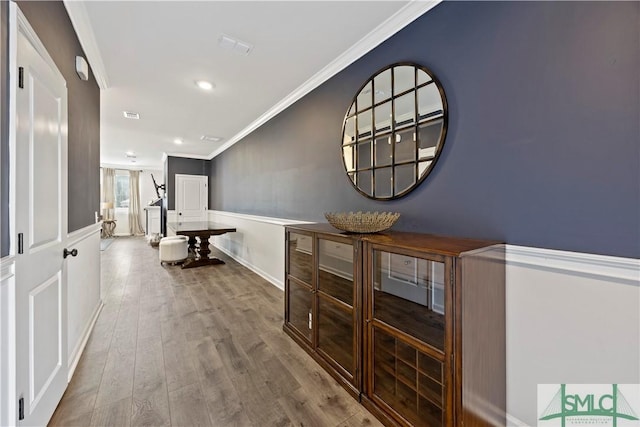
(122, 191)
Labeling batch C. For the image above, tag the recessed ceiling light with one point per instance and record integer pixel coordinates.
(204, 85)
(130, 154)
(131, 115)
(209, 138)
(177, 141)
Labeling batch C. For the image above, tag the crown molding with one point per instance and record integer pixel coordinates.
(397, 21)
(130, 167)
(82, 25)
(186, 155)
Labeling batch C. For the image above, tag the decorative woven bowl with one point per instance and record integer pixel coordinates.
(362, 222)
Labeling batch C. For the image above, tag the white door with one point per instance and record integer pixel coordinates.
(192, 197)
(41, 221)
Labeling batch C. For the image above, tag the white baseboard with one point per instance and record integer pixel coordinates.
(274, 281)
(75, 355)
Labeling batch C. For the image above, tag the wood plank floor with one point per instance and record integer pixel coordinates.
(197, 347)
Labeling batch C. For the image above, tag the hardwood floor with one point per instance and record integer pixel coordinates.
(196, 347)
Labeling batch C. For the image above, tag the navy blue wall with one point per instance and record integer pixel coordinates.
(543, 147)
(179, 165)
(51, 22)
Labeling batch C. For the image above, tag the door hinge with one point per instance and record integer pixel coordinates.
(20, 243)
(21, 77)
(21, 408)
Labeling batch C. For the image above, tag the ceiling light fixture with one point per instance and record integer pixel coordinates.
(130, 154)
(177, 141)
(204, 85)
(233, 44)
(209, 138)
(131, 115)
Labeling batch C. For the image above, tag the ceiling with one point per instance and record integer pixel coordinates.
(147, 56)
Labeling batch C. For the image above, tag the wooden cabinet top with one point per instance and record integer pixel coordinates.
(448, 246)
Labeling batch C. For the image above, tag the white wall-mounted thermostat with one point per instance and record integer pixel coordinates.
(82, 68)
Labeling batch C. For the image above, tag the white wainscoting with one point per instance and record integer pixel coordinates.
(172, 216)
(7, 342)
(83, 290)
(258, 244)
(571, 318)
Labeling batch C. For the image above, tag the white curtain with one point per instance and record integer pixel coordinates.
(134, 204)
(108, 182)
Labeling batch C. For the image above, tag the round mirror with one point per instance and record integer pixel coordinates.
(394, 131)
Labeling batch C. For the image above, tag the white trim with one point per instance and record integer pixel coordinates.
(75, 355)
(82, 25)
(79, 235)
(13, 127)
(7, 267)
(257, 218)
(189, 156)
(397, 21)
(609, 268)
(25, 28)
(137, 167)
(515, 422)
(172, 216)
(274, 281)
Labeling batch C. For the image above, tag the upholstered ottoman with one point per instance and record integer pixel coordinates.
(174, 249)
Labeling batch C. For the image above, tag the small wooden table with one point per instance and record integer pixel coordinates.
(202, 230)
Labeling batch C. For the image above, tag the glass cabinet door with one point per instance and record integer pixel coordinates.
(408, 336)
(336, 293)
(408, 294)
(299, 287)
(300, 252)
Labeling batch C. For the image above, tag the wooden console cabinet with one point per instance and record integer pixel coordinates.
(412, 325)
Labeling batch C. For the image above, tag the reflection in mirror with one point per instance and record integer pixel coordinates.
(349, 157)
(405, 147)
(405, 110)
(364, 97)
(383, 117)
(352, 178)
(364, 125)
(429, 135)
(352, 110)
(405, 177)
(364, 154)
(364, 182)
(394, 131)
(349, 131)
(383, 179)
(383, 151)
(423, 166)
(383, 86)
(423, 77)
(403, 78)
(429, 101)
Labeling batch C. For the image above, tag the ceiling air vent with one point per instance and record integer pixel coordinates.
(131, 115)
(235, 45)
(209, 138)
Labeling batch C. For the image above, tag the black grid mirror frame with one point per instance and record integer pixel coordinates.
(394, 131)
